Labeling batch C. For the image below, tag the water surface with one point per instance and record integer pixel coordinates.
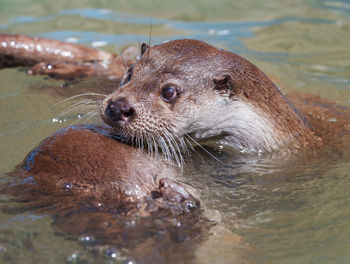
(288, 211)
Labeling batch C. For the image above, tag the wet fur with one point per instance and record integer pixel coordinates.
(220, 94)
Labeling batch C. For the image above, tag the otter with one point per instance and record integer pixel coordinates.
(91, 161)
(111, 197)
(189, 90)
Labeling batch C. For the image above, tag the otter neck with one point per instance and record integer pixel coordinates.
(249, 127)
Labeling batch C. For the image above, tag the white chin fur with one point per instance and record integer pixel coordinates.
(247, 128)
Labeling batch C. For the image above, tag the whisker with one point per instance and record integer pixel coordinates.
(80, 95)
(206, 151)
(76, 106)
(163, 146)
(87, 116)
(155, 147)
(91, 116)
(192, 148)
(125, 66)
(174, 147)
(171, 149)
(142, 144)
(149, 39)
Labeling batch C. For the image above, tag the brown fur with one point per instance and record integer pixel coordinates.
(118, 196)
(90, 162)
(202, 74)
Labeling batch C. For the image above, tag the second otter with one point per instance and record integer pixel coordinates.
(87, 161)
(190, 89)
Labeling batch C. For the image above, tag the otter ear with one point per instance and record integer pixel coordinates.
(223, 82)
(143, 48)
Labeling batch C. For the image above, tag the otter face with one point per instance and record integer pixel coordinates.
(189, 89)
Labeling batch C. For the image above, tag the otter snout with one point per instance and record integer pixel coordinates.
(119, 110)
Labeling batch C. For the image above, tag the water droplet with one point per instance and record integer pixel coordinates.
(76, 257)
(129, 261)
(130, 223)
(189, 205)
(67, 186)
(86, 239)
(65, 84)
(111, 253)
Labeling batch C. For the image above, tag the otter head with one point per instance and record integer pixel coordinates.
(189, 88)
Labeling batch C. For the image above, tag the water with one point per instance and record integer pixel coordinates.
(287, 211)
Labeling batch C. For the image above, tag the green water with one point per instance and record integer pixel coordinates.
(286, 211)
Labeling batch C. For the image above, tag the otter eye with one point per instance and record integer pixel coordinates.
(169, 94)
(127, 76)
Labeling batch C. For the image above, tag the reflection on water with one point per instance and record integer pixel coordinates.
(293, 210)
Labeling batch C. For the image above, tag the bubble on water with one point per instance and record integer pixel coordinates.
(77, 257)
(86, 239)
(58, 120)
(129, 261)
(130, 223)
(112, 253)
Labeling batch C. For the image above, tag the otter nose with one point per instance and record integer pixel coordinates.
(119, 110)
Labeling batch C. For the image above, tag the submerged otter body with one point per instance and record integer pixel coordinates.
(117, 197)
(190, 89)
(88, 161)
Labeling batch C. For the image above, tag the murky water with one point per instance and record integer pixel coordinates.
(287, 211)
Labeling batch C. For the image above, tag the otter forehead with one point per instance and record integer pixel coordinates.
(184, 56)
(186, 47)
(194, 62)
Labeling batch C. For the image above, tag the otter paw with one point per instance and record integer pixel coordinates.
(176, 196)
